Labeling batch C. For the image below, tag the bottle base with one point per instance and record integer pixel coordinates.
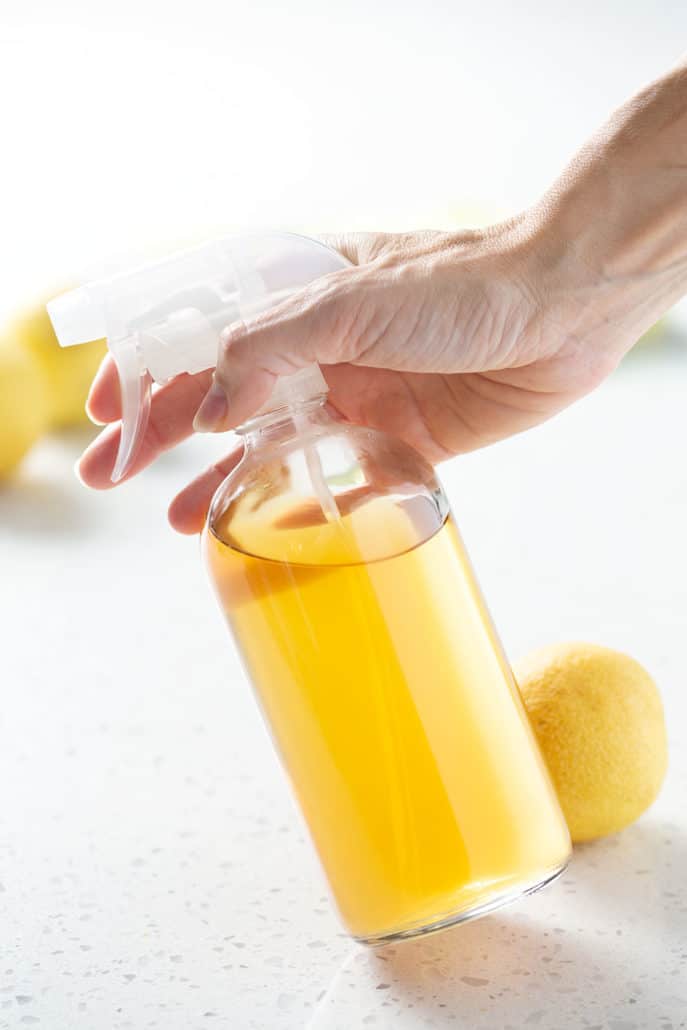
(446, 921)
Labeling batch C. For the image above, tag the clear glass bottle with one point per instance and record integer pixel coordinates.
(342, 575)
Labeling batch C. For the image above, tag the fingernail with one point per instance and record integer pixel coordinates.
(213, 409)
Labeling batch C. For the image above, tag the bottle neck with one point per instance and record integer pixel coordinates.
(285, 423)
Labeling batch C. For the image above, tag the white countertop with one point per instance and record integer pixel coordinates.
(154, 873)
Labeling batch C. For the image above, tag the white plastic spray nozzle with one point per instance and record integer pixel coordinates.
(166, 318)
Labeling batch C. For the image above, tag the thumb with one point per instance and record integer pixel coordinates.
(315, 325)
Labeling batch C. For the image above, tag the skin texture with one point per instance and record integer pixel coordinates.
(453, 340)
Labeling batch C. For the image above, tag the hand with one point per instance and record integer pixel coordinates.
(440, 339)
(451, 341)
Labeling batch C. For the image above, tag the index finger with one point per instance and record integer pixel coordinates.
(104, 401)
(170, 421)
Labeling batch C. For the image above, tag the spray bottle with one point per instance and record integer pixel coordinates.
(341, 573)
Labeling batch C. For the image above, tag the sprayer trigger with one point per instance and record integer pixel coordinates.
(135, 384)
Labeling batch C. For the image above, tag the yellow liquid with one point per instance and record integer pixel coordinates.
(393, 708)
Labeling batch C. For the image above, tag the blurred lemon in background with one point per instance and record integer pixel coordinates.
(42, 386)
(67, 372)
(599, 721)
(23, 403)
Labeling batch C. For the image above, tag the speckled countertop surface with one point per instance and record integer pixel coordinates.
(153, 871)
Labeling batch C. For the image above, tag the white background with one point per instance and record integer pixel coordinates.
(152, 870)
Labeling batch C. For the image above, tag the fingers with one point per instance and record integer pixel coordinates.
(104, 402)
(188, 509)
(319, 324)
(315, 325)
(170, 422)
(387, 312)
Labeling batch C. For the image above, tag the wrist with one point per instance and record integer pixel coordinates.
(609, 240)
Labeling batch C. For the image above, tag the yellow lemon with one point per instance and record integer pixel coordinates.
(23, 404)
(67, 373)
(599, 720)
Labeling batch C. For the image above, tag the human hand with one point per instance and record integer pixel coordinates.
(452, 341)
(436, 338)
